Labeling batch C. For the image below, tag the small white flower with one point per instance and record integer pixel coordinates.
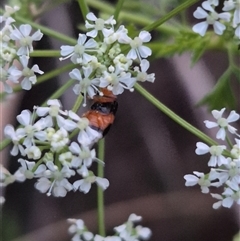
(87, 85)
(78, 53)
(198, 178)
(6, 177)
(30, 130)
(33, 152)
(212, 18)
(84, 185)
(29, 77)
(137, 49)
(86, 136)
(223, 123)
(142, 75)
(15, 137)
(59, 140)
(26, 170)
(79, 230)
(117, 80)
(81, 155)
(230, 5)
(59, 185)
(217, 159)
(25, 40)
(105, 26)
(54, 111)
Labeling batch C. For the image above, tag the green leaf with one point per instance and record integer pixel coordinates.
(222, 94)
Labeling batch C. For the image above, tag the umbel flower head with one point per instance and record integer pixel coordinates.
(16, 43)
(228, 19)
(102, 64)
(47, 154)
(225, 170)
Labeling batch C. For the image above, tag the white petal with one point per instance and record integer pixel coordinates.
(102, 182)
(210, 124)
(200, 28)
(202, 148)
(191, 180)
(200, 13)
(218, 28)
(24, 118)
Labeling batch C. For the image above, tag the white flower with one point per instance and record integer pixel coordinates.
(137, 49)
(6, 76)
(116, 80)
(87, 135)
(33, 152)
(217, 159)
(6, 177)
(26, 170)
(59, 185)
(79, 230)
(143, 232)
(84, 185)
(29, 77)
(212, 18)
(25, 40)
(108, 238)
(86, 86)
(59, 140)
(54, 111)
(128, 232)
(81, 155)
(15, 137)
(78, 52)
(29, 130)
(236, 149)
(105, 26)
(223, 123)
(199, 178)
(230, 5)
(118, 35)
(142, 75)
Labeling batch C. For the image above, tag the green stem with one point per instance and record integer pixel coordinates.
(78, 103)
(174, 12)
(84, 8)
(132, 18)
(118, 9)
(100, 195)
(45, 53)
(48, 31)
(174, 116)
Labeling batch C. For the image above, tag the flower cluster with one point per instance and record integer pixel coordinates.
(219, 21)
(125, 232)
(43, 141)
(224, 164)
(15, 46)
(101, 59)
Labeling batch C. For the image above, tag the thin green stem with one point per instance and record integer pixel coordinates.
(48, 31)
(132, 18)
(84, 8)
(174, 116)
(45, 53)
(78, 103)
(118, 9)
(174, 12)
(100, 192)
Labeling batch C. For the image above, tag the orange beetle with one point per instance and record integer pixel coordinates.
(103, 110)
